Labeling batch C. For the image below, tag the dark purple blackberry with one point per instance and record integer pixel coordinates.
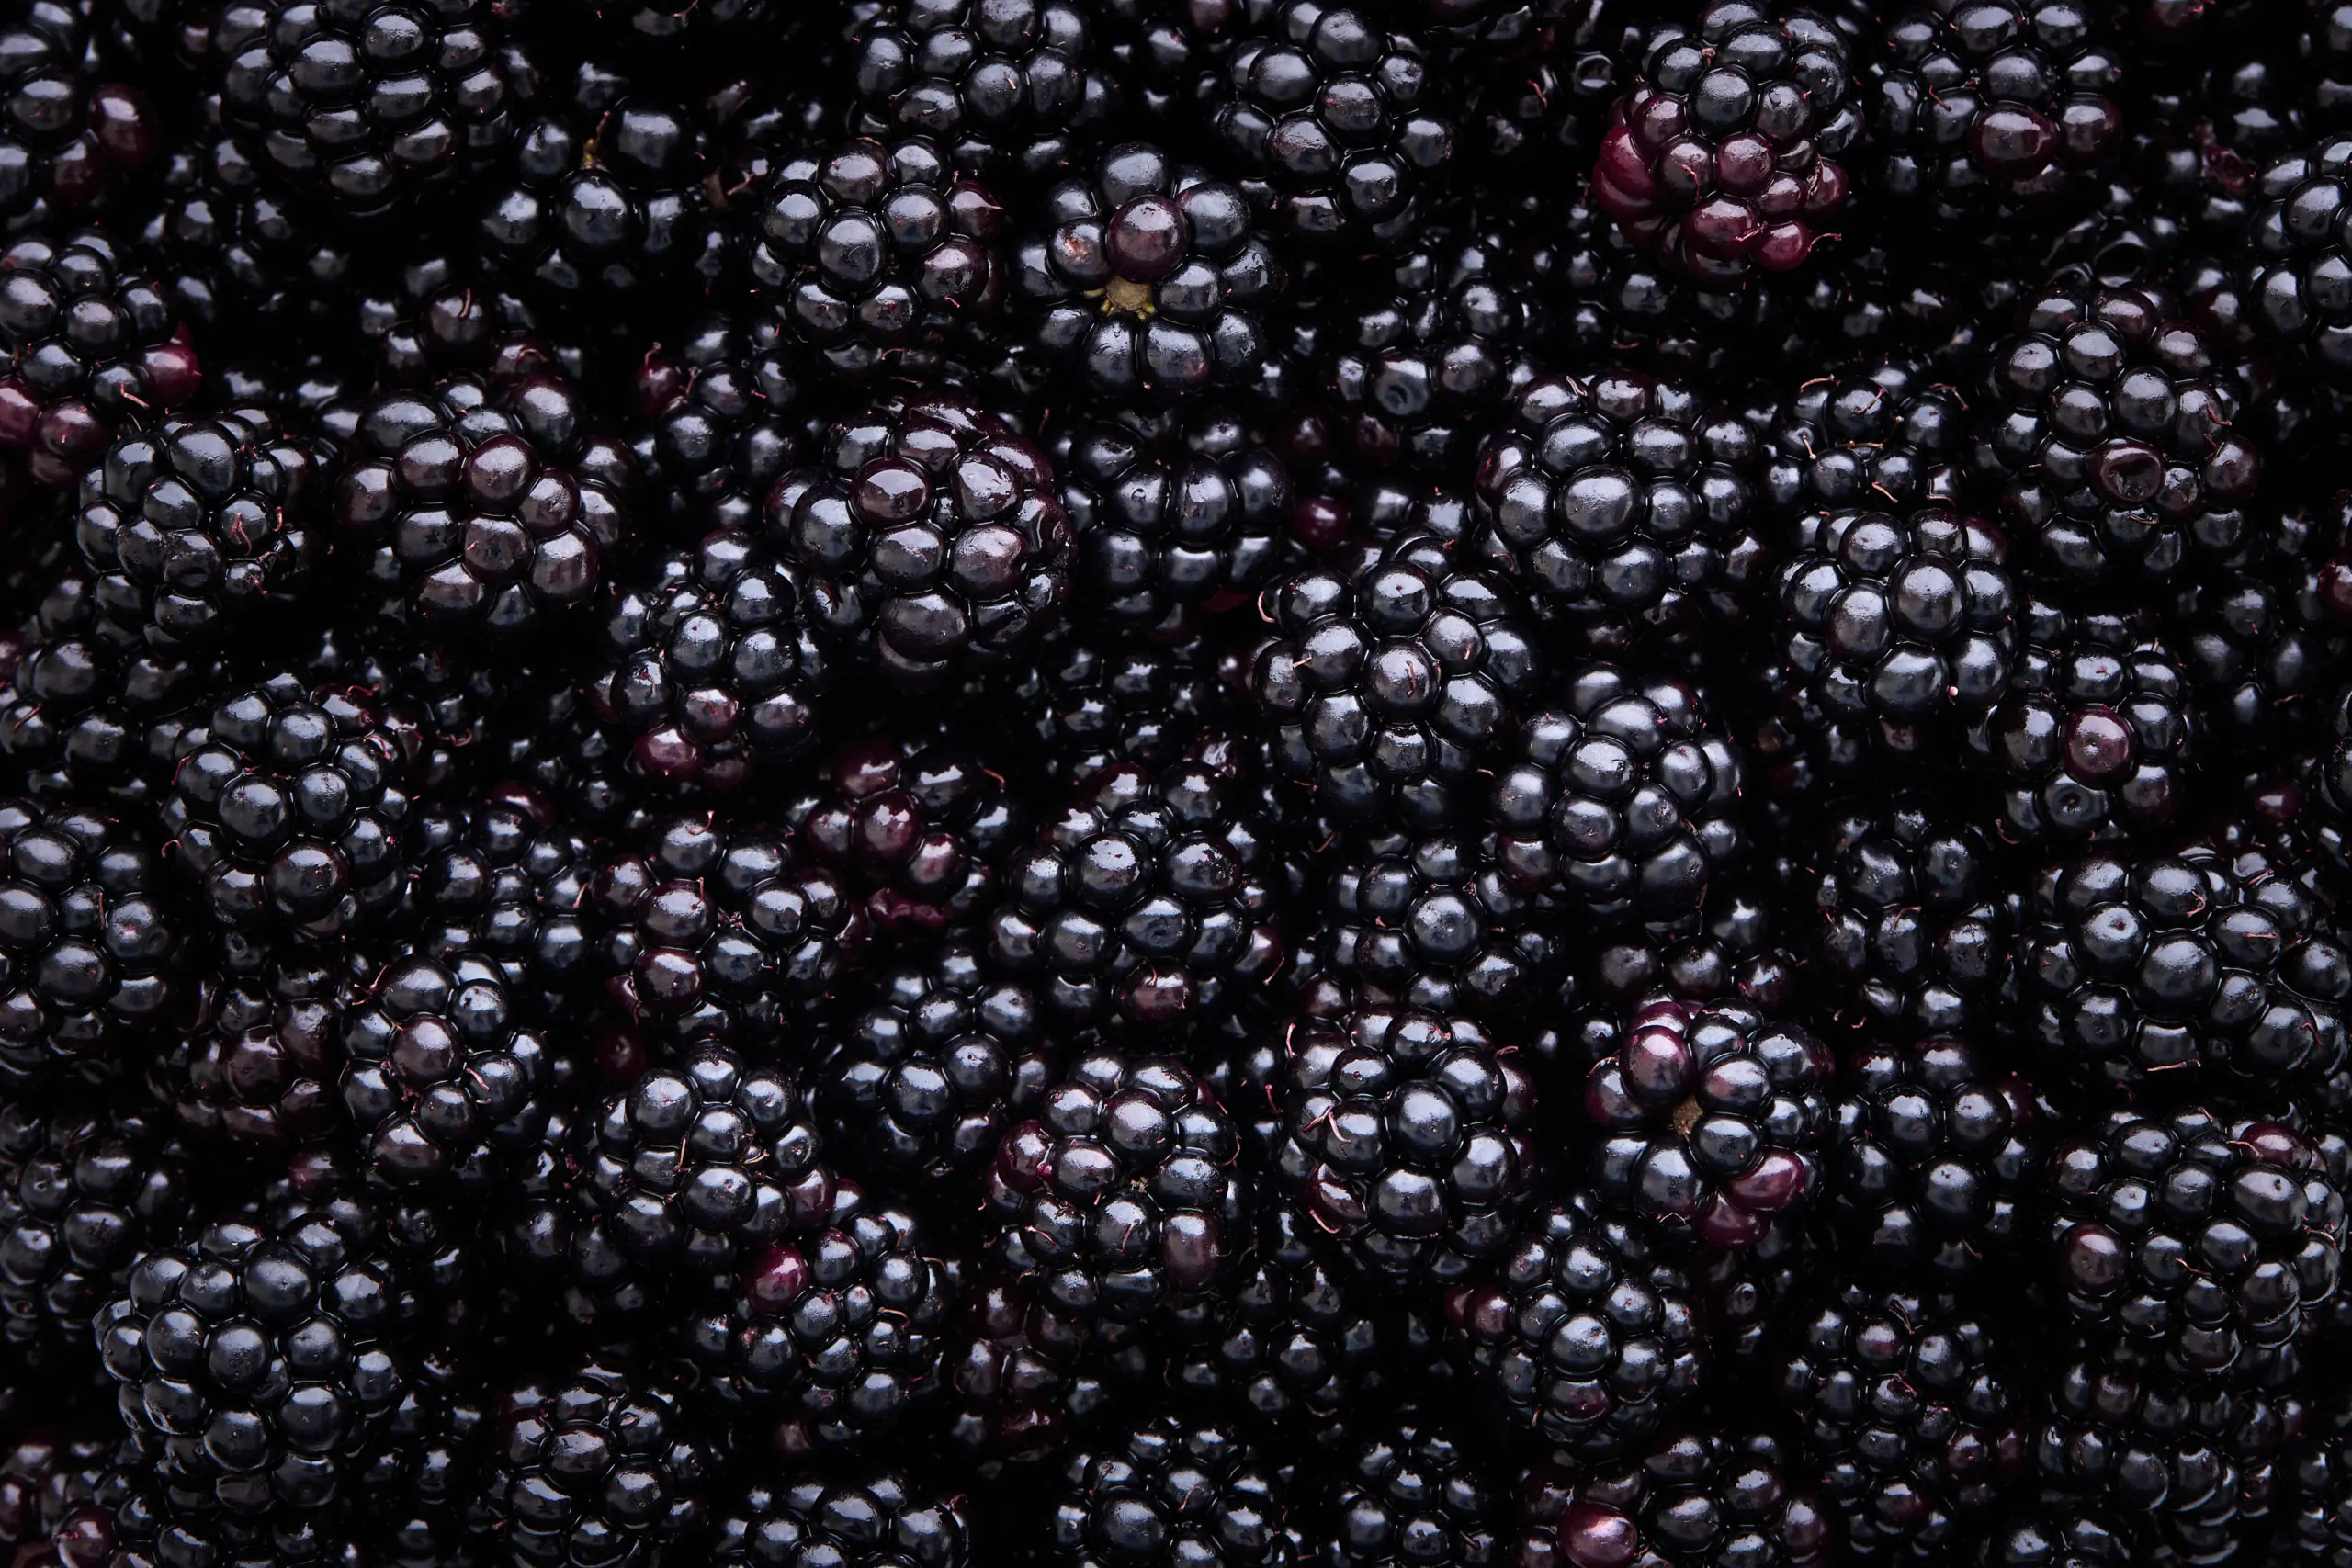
(1712, 1120)
(485, 511)
(1411, 1492)
(929, 536)
(90, 943)
(228, 247)
(596, 1465)
(1726, 156)
(2264, 643)
(413, 1496)
(1150, 282)
(1340, 128)
(1584, 1335)
(1119, 1195)
(920, 829)
(46, 1477)
(262, 1064)
(2046, 1537)
(89, 343)
(1435, 921)
(881, 256)
(873, 1518)
(2191, 967)
(721, 419)
(1737, 951)
(442, 315)
(1086, 703)
(1007, 88)
(1167, 1493)
(67, 140)
(1618, 298)
(1026, 1378)
(2315, 1524)
(505, 883)
(1620, 802)
(1696, 1499)
(1888, 435)
(2296, 285)
(440, 1075)
(1629, 504)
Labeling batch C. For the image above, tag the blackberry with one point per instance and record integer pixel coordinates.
(929, 534)
(263, 1063)
(1086, 706)
(66, 142)
(1435, 921)
(416, 1491)
(1119, 1194)
(1410, 1492)
(920, 829)
(1410, 1136)
(89, 941)
(1913, 1414)
(874, 1518)
(1620, 802)
(2294, 286)
(485, 513)
(596, 1464)
(1884, 437)
(228, 247)
(445, 315)
(2262, 643)
(1165, 1493)
(46, 1478)
(507, 884)
(2035, 1538)
(1584, 1336)
(1712, 1120)
(1151, 282)
(881, 256)
(89, 341)
(1690, 1499)
(2312, 1527)
(722, 418)
(2188, 967)
(439, 1073)
(1629, 504)
(1726, 156)
(1011, 89)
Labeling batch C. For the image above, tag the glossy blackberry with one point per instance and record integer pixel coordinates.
(1168, 1492)
(595, 1465)
(228, 247)
(1739, 951)
(1026, 1378)
(1629, 504)
(2047, 1538)
(1690, 1499)
(1120, 1193)
(920, 829)
(1584, 1336)
(443, 314)
(416, 1488)
(1621, 299)
(1006, 89)
(2188, 967)
(262, 1064)
(440, 1073)
(2296, 285)
(1712, 1120)
(504, 880)
(929, 536)
(722, 416)
(1435, 921)
(1412, 1493)
(873, 1518)
(1724, 158)
(1887, 435)
(1150, 281)
(2263, 643)
(67, 140)
(2314, 1526)
(46, 1477)
(1086, 703)
(89, 341)
(880, 255)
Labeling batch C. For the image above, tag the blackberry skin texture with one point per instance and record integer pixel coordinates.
(201, 524)
(1011, 90)
(1434, 922)
(2185, 968)
(1167, 1493)
(1335, 124)
(1120, 1195)
(1724, 158)
(485, 513)
(90, 941)
(928, 535)
(2107, 429)
(2295, 288)
(873, 1518)
(595, 1465)
(2039, 1538)
(1387, 686)
(927, 1078)
(439, 1073)
(1150, 281)
(1629, 505)
(288, 807)
(1584, 1336)
(1691, 1499)
(89, 341)
(1887, 436)
(882, 257)
(507, 884)
(920, 829)
(1913, 1413)
(710, 672)
(2097, 734)
(1409, 1493)
(262, 1064)
(722, 416)
(1149, 896)
(1712, 1120)
(1620, 802)
(1169, 523)
(1410, 1136)
(66, 142)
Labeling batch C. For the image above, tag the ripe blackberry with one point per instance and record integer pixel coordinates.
(1913, 1411)
(2187, 967)
(2262, 643)
(1007, 89)
(263, 1063)
(595, 1465)
(89, 941)
(929, 534)
(1169, 1493)
(1584, 1335)
(1435, 921)
(1692, 1500)
(505, 883)
(2045, 1538)
(89, 343)
(47, 1477)
(2107, 432)
(1410, 1135)
(1620, 801)
(921, 829)
(1086, 702)
(439, 1073)
(881, 256)
(1388, 685)
(1119, 1195)
(1026, 1378)
(721, 418)
(1888, 435)
(66, 141)
(1726, 156)
(1619, 299)
(873, 1518)
(1409, 1493)
(2294, 286)
(2315, 1524)
(227, 247)
(485, 511)
(1629, 504)
(1151, 282)
(1712, 1120)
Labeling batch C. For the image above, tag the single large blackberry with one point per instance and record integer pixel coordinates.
(881, 256)
(2295, 289)
(1167, 1493)
(1629, 504)
(1119, 1195)
(921, 829)
(929, 536)
(1436, 921)
(874, 1518)
(1726, 156)
(1696, 1499)
(439, 1073)
(722, 419)
(1409, 1493)
(595, 1465)
(66, 139)
(1006, 86)
(500, 880)
(1887, 436)
(2189, 967)
(1584, 1335)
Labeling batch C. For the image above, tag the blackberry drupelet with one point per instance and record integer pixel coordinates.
(1435, 920)
(1889, 435)
(1167, 1493)
(1692, 1500)
(1007, 89)
(440, 1074)
(596, 1464)
(872, 1519)
(918, 827)
(722, 413)
(263, 1063)
(1409, 1493)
